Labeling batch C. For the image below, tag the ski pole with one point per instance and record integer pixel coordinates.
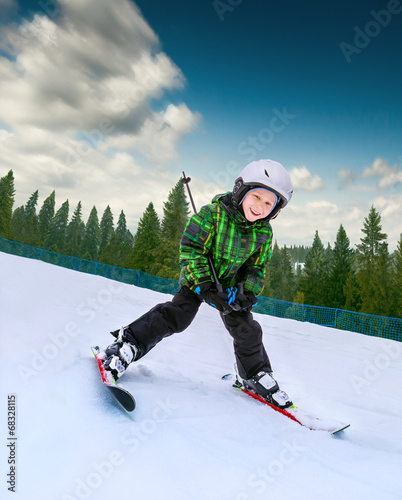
(186, 181)
(235, 307)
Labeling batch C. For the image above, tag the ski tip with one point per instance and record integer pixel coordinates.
(336, 431)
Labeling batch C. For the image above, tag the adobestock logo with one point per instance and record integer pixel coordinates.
(222, 7)
(373, 369)
(372, 29)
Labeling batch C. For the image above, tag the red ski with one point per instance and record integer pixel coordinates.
(298, 415)
(123, 397)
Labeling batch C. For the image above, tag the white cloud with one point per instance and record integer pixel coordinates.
(387, 176)
(378, 168)
(390, 208)
(298, 223)
(93, 178)
(390, 179)
(68, 75)
(159, 134)
(353, 215)
(304, 180)
(77, 95)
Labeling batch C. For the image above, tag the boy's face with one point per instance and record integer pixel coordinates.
(258, 204)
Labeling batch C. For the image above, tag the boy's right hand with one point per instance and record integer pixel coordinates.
(213, 297)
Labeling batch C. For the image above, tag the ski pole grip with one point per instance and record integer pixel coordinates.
(185, 180)
(240, 289)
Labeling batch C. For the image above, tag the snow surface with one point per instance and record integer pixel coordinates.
(192, 436)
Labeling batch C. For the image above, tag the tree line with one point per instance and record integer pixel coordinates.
(365, 279)
(153, 249)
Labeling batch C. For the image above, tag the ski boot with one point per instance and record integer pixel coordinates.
(118, 355)
(263, 384)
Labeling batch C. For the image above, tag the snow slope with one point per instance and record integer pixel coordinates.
(192, 436)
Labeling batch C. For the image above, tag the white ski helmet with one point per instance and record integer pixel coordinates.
(267, 174)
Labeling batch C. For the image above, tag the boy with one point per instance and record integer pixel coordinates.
(235, 232)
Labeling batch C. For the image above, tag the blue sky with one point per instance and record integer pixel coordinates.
(206, 87)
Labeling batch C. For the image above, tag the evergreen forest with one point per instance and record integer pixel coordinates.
(367, 278)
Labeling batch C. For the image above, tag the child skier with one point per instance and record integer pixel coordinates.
(235, 235)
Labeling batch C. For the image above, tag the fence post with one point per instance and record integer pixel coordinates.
(336, 316)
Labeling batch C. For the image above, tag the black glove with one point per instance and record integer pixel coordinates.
(246, 300)
(218, 299)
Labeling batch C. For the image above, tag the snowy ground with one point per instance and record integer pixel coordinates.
(192, 437)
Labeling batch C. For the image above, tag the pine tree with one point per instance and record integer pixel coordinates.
(298, 254)
(374, 267)
(340, 269)
(175, 213)
(106, 234)
(351, 290)
(270, 270)
(329, 254)
(56, 239)
(146, 243)
(397, 303)
(175, 217)
(7, 192)
(288, 276)
(121, 243)
(279, 280)
(17, 224)
(384, 279)
(315, 274)
(75, 233)
(30, 229)
(46, 214)
(91, 239)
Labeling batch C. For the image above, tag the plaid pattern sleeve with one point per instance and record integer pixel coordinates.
(194, 248)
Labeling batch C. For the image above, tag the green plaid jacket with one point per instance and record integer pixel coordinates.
(239, 249)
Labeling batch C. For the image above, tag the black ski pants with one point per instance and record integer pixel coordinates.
(176, 315)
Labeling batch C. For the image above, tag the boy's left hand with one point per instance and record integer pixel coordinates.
(246, 300)
(219, 300)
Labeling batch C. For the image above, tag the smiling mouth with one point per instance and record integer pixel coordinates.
(256, 214)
